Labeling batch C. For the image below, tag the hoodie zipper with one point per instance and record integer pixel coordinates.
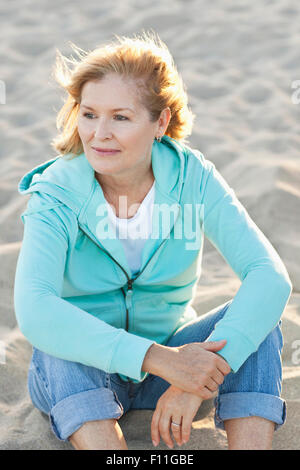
(129, 292)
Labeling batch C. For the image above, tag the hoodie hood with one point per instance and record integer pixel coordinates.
(68, 180)
(72, 182)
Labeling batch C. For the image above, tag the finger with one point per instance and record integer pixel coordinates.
(176, 430)
(218, 377)
(214, 345)
(155, 427)
(223, 366)
(211, 385)
(164, 429)
(186, 425)
(205, 394)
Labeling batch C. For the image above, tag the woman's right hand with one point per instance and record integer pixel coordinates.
(193, 367)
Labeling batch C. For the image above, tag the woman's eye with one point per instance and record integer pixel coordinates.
(88, 115)
(120, 115)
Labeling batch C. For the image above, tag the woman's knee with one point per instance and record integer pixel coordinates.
(61, 378)
(262, 370)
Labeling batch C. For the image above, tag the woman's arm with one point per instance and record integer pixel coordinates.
(54, 325)
(266, 286)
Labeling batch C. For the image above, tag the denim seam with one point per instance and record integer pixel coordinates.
(118, 383)
(43, 389)
(46, 386)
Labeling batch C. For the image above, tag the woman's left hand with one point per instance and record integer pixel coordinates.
(177, 406)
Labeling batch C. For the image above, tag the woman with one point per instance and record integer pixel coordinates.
(113, 239)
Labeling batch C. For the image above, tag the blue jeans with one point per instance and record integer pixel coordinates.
(72, 393)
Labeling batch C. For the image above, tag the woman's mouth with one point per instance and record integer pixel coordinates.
(105, 152)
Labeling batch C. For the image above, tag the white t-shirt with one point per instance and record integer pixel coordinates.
(134, 232)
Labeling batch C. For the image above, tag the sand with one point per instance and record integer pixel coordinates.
(239, 61)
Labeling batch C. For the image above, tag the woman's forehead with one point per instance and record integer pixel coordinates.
(113, 92)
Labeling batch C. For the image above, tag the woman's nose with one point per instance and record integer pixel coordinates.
(102, 130)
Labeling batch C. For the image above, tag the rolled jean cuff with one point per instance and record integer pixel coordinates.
(245, 404)
(72, 412)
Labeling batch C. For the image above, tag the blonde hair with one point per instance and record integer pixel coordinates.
(147, 60)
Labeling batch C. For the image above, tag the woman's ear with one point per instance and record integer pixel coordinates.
(164, 120)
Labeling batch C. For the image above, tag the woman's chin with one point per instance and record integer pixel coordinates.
(104, 167)
(107, 169)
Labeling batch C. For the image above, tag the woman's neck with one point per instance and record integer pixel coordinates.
(134, 196)
(115, 187)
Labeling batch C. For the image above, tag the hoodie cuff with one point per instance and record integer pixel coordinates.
(128, 356)
(237, 349)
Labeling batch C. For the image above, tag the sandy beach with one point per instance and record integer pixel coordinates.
(240, 62)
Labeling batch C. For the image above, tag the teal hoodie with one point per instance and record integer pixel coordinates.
(75, 296)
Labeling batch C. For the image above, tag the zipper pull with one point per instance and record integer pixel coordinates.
(129, 292)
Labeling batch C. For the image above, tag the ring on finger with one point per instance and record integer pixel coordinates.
(175, 424)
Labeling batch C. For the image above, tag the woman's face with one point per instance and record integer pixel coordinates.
(111, 117)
